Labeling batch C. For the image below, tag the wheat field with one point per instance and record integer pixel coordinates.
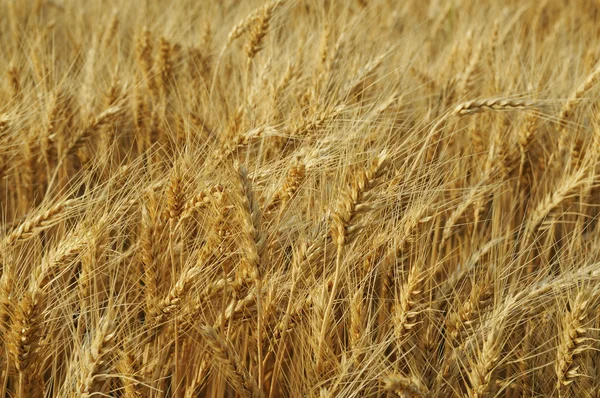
(299, 198)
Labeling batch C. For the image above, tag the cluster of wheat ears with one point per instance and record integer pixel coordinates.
(322, 198)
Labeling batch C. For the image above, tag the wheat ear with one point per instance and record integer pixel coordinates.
(234, 370)
(350, 205)
(492, 104)
(96, 360)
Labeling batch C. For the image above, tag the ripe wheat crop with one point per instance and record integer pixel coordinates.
(299, 198)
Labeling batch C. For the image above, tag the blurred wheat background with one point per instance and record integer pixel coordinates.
(320, 198)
